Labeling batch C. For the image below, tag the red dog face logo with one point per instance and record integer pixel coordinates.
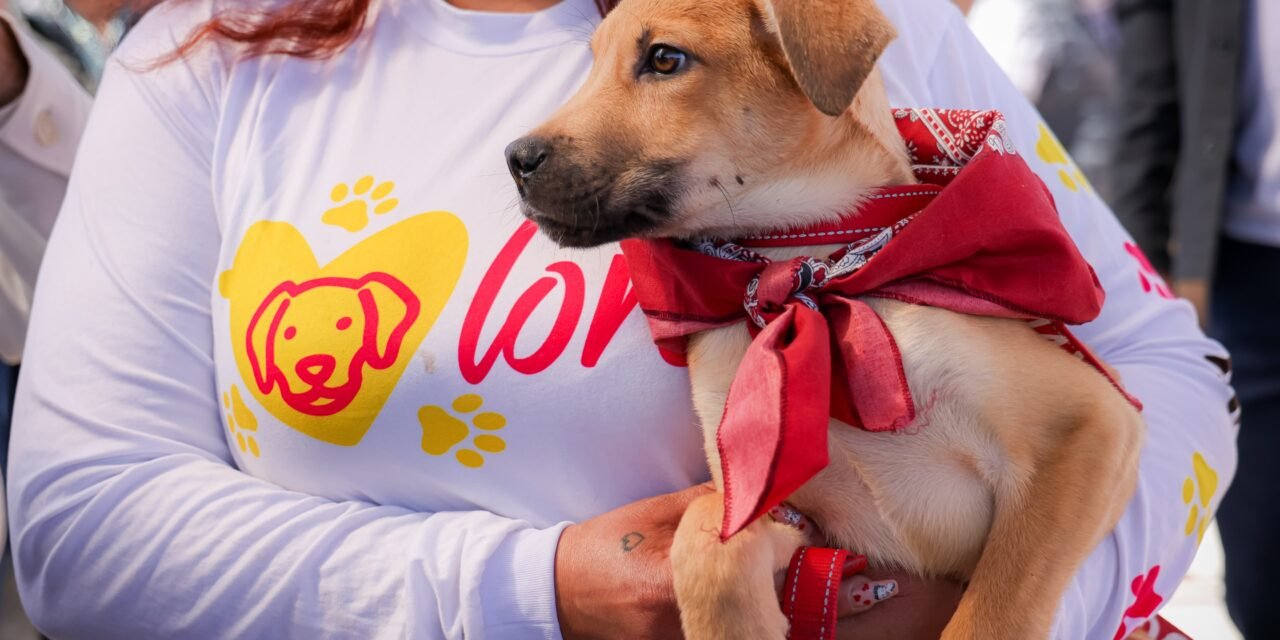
(313, 340)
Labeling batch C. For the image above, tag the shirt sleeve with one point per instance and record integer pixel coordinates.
(1163, 357)
(128, 518)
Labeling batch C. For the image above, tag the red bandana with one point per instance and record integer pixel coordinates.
(979, 235)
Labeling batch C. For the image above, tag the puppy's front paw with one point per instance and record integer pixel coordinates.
(726, 589)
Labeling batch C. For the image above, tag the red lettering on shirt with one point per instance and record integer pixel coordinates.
(475, 371)
(617, 301)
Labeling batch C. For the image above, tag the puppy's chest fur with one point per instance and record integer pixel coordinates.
(921, 498)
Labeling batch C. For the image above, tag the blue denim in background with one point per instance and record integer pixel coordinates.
(1245, 317)
(8, 384)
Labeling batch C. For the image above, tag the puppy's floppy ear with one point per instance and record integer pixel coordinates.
(831, 46)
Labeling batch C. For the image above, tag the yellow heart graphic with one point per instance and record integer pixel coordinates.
(322, 347)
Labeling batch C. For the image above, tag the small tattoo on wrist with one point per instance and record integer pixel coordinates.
(631, 541)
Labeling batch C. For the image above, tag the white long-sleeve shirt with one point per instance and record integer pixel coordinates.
(298, 368)
(39, 132)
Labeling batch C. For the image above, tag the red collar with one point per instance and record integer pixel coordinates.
(980, 235)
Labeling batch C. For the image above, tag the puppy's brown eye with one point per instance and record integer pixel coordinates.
(666, 60)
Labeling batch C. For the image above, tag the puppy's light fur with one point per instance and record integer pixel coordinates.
(1022, 457)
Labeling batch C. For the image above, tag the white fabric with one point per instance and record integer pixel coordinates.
(33, 177)
(140, 511)
(1253, 196)
(1007, 28)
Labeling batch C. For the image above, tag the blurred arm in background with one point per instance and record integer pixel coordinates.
(1145, 162)
(13, 65)
(42, 115)
(1178, 79)
(81, 33)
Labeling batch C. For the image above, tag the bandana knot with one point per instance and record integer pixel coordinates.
(778, 285)
(799, 279)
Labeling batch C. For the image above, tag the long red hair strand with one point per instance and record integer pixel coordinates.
(302, 28)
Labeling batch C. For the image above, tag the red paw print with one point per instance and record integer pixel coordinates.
(1147, 274)
(1145, 601)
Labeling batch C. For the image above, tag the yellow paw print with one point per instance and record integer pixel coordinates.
(353, 214)
(1051, 151)
(241, 421)
(442, 430)
(1197, 492)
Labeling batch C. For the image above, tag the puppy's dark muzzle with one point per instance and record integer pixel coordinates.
(584, 204)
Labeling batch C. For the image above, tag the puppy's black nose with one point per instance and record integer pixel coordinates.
(525, 155)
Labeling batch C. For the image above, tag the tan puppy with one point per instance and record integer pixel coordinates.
(735, 117)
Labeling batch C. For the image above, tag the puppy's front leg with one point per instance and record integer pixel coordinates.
(1046, 526)
(726, 589)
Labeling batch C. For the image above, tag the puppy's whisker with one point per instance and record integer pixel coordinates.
(595, 224)
(733, 217)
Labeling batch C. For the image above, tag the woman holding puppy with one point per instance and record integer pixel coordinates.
(316, 378)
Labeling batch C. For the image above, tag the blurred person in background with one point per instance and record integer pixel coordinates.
(1198, 185)
(42, 113)
(50, 58)
(1061, 56)
(83, 33)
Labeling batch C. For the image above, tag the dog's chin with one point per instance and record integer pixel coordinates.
(608, 227)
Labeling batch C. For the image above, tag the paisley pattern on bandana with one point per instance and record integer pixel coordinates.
(811, 274)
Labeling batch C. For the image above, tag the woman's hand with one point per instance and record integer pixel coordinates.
(613, 572)
(613, 580)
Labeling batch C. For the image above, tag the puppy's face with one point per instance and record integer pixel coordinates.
(700, 117)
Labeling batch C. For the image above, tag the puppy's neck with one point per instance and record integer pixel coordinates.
(839, 163)
(871, 113)
(864, 145)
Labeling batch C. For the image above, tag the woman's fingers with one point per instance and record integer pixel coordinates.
(920, 610)
(785, 514)
(859, 593)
